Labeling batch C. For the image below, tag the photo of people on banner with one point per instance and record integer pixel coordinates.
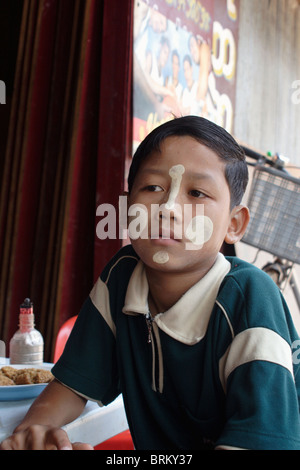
(184, 61)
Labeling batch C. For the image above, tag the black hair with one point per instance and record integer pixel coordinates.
(175, 53)
(207, 133)
(187, 58)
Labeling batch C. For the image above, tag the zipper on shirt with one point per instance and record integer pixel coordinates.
(149, 321)
(154, 340)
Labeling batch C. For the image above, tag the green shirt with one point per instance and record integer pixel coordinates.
(214, 370)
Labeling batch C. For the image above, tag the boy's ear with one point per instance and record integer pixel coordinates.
(238, 223)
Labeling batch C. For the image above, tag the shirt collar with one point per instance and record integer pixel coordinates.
(187, 320)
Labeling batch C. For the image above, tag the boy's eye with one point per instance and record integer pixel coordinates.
(153, 188)
(197, 193)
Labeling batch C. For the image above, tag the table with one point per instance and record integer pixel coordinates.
(93, 426)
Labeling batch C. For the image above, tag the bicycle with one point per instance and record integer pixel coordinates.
(274, 227)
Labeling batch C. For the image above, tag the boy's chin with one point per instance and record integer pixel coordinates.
(165, 261)
(176, 257)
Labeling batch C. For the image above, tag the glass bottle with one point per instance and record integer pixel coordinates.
(27, 344)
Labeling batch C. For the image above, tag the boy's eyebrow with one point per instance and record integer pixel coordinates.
(191, 174)
(152, 170)
(200, 176)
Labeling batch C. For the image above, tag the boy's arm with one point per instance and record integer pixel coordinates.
(41, 427)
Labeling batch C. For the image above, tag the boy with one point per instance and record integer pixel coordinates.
(198, 344)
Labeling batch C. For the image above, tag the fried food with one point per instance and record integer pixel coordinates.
(9, 372)
(5, 380)
(11, 376)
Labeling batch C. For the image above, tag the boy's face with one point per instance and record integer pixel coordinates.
(187, 180)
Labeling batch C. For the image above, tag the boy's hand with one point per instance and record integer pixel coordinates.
(38, 437)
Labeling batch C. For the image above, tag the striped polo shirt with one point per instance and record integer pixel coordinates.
(215, 370)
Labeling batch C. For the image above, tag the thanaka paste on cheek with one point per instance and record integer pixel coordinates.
(199, 231)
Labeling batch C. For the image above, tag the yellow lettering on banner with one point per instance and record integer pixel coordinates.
(181, 5)
(194, 11)
(223, 51)
(190, 13)
(220, 106)
(231, 9)
(143, 128)
(206, 19)
(142, 133)
(153, 122)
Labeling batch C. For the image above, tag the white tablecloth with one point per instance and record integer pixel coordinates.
(94, 425)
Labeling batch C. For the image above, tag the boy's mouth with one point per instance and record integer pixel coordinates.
(164, 241)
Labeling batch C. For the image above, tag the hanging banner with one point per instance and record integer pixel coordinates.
(185, 55)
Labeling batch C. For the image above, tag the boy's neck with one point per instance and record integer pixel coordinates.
(165, 289)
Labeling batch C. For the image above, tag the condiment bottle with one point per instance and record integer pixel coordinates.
(27, 344)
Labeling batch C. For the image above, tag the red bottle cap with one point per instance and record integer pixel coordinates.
(26, 308)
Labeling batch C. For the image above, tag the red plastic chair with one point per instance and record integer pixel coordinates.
(62, 337)
(122, 441)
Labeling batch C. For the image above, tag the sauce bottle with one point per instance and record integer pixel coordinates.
(27, 344)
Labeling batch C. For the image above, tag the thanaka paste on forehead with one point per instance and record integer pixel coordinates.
(176, 173)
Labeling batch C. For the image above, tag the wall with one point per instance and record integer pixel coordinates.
(266, 117)
(268, 64)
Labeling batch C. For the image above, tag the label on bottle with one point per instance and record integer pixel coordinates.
(27, 347)
(26, 322)
(28, 359)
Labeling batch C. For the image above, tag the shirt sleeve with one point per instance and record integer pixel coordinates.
(88, 364)
(262, 411)
(258, 374)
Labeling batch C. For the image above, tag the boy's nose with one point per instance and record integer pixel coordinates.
(161, 210)
(175, 173)
(175, 213)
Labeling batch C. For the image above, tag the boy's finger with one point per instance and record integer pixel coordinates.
(60, 439)
(81, 446)
(6, 445)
